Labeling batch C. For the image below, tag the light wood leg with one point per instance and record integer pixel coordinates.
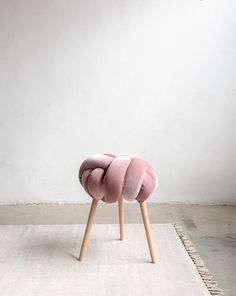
(121, 217)
(88, 228)
(144, 212)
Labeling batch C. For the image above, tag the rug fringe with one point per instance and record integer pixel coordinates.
(198, 262)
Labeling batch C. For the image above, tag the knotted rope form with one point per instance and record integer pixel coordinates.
(109, 177)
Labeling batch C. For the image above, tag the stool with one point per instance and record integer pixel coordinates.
(113, 178)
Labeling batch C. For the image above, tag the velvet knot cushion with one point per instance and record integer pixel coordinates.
(109, 177)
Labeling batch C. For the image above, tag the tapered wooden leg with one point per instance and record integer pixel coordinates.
(121, 217)
(88, 228)
(144, 212)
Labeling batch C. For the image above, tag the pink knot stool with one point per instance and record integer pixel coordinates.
(113, 178)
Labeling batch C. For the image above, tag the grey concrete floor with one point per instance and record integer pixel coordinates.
(211, 228)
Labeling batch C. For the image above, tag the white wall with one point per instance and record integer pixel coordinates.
(154, 78)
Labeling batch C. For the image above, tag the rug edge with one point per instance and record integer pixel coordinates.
(207, 278)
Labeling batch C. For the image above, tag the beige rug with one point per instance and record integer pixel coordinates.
(41, 260)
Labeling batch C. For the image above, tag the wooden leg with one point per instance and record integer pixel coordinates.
(88, 228)
(121, 217)
(144, 212)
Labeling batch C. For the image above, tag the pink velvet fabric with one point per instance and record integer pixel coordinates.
(109, 177)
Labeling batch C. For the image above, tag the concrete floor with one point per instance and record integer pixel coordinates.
(211, 228)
